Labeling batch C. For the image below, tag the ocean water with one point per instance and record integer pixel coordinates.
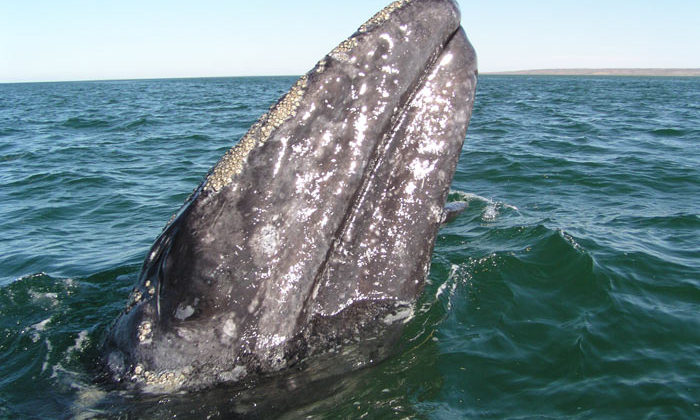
(569, 288)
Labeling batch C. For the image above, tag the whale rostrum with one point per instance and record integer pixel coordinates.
(310, 240)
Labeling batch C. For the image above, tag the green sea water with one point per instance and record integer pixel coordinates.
(569, 288)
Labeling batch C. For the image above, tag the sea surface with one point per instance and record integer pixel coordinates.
(569, 288)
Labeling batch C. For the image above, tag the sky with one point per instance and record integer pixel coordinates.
(51, 40)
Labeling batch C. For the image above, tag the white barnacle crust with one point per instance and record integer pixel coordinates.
(166, 381)
(320, 66)
(382, 15)
(342, 51)
(232, 162)
(144, 331)
(158, 382)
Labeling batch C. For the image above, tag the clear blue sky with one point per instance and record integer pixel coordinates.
(42, 40)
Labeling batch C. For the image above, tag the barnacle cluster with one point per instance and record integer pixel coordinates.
(144, 331)
(382, 15)
(232, 162)
(162, 379)
(341, 51)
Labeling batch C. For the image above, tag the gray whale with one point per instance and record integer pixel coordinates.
(309, 241)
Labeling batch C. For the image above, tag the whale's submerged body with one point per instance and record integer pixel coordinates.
(310, 240)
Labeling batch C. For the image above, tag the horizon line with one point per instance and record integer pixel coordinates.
(573, 71)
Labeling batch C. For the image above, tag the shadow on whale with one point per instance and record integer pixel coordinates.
(303, 251)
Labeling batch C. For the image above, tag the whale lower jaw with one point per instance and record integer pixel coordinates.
(311, 239)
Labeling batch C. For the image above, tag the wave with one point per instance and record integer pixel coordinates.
(83, 122)
(669, 132)
(42, 181)
(9, 131)
(52, 327)
(136, 123)
(671, 221)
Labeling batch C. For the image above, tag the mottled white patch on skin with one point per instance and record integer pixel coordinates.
(360, 129)
(431, 146)
(306, 213)
(208, 238)
(410, 188)
(253, 305)
(436, 212)
(327, 137)
(272, 340)
(421, 168)
(289, 281)
(268, 240)
(307, 183)
(385, 93)
(388, 39)
(183, 312)
(363, 88)
(234, 375)
(379, 110)
(278, 164)
(229, 328)
(301, 148)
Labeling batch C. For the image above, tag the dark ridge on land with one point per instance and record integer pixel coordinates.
(604, 72)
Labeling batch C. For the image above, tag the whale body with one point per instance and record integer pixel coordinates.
(309, 242)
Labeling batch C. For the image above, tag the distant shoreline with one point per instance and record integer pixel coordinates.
(602, 72)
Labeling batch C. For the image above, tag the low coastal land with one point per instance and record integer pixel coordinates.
(604, 72)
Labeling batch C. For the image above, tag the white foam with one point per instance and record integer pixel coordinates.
(492, 209)
(41, 326)
(79, 341)
(449, 286)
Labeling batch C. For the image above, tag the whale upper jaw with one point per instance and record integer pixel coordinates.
(314, 233)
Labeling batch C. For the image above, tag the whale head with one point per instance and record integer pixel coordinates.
(311, 238)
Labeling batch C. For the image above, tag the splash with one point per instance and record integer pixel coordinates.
(492, 208)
